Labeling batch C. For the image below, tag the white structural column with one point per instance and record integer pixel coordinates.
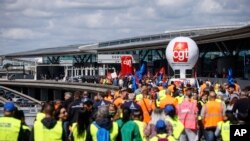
(104, 69)
(86, 70)
(75, 71)
(65, 73)
(91, 70)
(82, 71)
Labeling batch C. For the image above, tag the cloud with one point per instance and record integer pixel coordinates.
(31, 24)
(19, 33)
(36, 13)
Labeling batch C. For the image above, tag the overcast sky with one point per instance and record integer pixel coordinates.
(31, 24)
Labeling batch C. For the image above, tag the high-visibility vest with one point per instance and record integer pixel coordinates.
(164, 135)
(40, 116)
(160, 96)
(113, 131)
(147, 106)
(9, 128)
(180, 99)
(168, 100)
(178, 127)
(25, 127)
(187, 114)
(41, 133)
(75, 133)
(202, 104)
(141, 125)
(225, 130)
(138, 97)
(213, 113)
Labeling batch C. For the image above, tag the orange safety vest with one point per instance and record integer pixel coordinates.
(187, 112)
(168, 100)
(202, 88)
(147, 106)
(213, 113)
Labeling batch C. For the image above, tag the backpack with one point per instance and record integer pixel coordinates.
(162, 139)
(102, 133)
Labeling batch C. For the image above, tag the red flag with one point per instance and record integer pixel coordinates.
(126, 65)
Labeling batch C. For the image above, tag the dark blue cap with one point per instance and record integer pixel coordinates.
(160, 124)
(169, 108)
(9, 106)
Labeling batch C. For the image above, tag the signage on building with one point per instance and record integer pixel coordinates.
(66, 61)
(114, 58)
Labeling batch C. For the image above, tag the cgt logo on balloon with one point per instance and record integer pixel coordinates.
(180, 52)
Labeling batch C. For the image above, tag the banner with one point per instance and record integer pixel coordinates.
(126, 65)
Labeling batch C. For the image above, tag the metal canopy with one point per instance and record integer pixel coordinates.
(157, 41)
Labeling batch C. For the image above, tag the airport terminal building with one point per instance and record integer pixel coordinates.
(220, 48)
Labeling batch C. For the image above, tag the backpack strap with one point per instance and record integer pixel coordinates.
(96, 125)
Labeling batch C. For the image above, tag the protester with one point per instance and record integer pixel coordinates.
(128, 128)
(137, 117)
(79, 128)
(48, 128)
(162, 132)
(187, 113)
(146, 105)
(14, 130)
(242, 108)
(223, 127)
(172, 119)
(211, 113)
(150, 129)
(103, 128)
(74, 107)
(26, 129)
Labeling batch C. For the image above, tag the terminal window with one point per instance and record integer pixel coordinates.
(177, 73)
(188, 73)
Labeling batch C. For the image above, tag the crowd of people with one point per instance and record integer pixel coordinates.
(158, 112)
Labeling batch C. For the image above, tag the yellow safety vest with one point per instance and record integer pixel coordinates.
(180, 99)
(41, 133)
(25, 127)
(113, 131)
(161, 96)
(141, 125)
(202, 103)
(178, 127)
(75, 133)
(138, 97)
(9, 128)
(225, 130)
(169, 137)
(40, 116)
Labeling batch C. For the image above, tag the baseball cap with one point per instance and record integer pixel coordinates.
(9, 106)
(168, 108)
(160, 124)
